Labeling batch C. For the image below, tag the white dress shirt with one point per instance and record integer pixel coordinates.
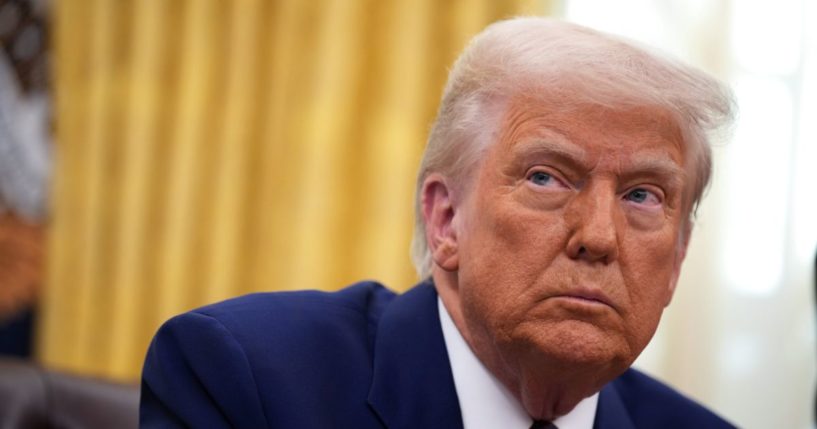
(486, 403)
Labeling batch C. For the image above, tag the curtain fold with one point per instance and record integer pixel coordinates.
(207, 149)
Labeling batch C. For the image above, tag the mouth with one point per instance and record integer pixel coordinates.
(587, 297)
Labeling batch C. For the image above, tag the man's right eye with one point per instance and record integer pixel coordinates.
(540, 178)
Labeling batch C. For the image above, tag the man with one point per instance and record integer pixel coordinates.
(554, 208)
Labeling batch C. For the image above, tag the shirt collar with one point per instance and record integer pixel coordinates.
(476, 387)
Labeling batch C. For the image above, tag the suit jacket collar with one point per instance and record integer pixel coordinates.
(611, 412)
(412, 385)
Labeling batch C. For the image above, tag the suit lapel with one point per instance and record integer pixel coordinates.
(611, 412)
(412, 385)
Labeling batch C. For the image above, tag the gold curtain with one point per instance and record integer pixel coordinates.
(207, 149)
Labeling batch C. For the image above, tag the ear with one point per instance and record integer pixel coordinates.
(438, 213)
(681, 254)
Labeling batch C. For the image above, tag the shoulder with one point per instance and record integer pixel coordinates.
(651, 403)
(362, 299)
(214, 366)
(294, 315)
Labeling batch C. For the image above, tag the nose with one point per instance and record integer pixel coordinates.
(594, 220)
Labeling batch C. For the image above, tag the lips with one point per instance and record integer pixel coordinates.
(587, 295)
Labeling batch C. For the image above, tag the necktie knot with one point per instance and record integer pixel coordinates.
(542, 424)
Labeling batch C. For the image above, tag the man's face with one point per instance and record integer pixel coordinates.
(570, 238)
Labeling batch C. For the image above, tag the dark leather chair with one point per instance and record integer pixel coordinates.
(34, 397)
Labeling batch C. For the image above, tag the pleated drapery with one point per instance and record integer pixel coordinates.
(206, 149)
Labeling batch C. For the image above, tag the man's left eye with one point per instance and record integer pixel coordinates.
(642, 196)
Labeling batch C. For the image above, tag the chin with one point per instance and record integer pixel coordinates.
(578, 346)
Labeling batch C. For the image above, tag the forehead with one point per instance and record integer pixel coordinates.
(590, 130)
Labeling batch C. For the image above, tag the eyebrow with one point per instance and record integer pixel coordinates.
(555, 146)
(558, 147)
(657, 165)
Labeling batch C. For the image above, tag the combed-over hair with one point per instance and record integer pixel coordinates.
(573, 66)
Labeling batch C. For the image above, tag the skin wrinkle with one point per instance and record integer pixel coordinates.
(519, 247)
(663, 124)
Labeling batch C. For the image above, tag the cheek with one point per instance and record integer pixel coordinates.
(520, 241)
(648, 265)
(505, 250)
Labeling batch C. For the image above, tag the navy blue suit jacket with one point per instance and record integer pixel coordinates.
(359, 358)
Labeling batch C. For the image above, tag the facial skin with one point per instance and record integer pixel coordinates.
(558, 257)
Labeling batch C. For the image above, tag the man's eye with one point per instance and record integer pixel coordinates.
(642, 196)
(540, 178)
